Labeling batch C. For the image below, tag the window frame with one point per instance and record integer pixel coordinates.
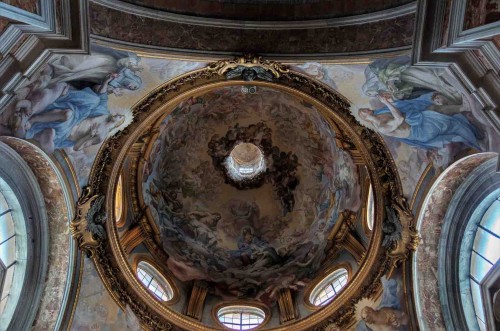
(161, 273)
(322, 279)
(120, 221)
(478, 300)
(243, 304)
(13, 241)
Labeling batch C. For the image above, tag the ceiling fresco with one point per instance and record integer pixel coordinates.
(247, 241)
(80, 97)
(75, 101)
(441, 123)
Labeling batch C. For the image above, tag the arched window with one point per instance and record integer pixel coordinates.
(241, 317)
(329, 287)
(154, 281)
(485, 254)
(120, 221)
(369, 209)
(10, 249)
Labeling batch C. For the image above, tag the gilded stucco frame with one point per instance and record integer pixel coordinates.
(95, 207)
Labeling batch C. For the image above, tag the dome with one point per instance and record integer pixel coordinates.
(247, 235)
(243, 184)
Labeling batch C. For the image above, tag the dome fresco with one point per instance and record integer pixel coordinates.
(248, 240)
(154, 204)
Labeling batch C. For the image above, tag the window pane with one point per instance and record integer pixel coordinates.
(2, 304)
(3, 203)
(6, 226)
(491, 219)
(487, 245)
(476, 297)
(369, 209)
(8, 251)
(240, 317)
(329, 287)
(119, 200)
(479, 267)
(154, 281)
(482, 326)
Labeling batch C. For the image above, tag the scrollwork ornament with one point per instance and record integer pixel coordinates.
(99, 238)
(408, 238)
(88, 225)
(249, 68)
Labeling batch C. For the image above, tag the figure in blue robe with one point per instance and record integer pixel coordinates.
(126, 79)
(430, 129)
(83, 104)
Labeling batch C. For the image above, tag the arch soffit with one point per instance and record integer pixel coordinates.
(430, 221)
(21, 179)
(54, 205)
(465, 211)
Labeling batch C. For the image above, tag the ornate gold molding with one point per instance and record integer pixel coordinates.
(263, 69)
(96, 200)
(286, 306)
(88, 225)
(406, 232)
(131, 239)
(194, 308)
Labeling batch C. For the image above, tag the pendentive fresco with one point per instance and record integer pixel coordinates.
(75, 102)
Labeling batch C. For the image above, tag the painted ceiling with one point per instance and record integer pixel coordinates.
(247, 241)
(420, 91)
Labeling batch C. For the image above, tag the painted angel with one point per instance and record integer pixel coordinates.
(388, 316)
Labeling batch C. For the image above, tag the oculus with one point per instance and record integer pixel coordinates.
(154, 281)
(329, 287)
(241, 317)
(245, 161)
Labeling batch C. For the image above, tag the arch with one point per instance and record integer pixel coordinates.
(26, 291)
(469, 203)
(427, 263)
(47, 205)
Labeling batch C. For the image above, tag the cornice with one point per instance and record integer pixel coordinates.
(258, 25)
(24, 47)
(195, 38)
(441, 41)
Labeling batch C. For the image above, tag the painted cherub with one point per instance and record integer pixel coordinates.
(384, 319)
